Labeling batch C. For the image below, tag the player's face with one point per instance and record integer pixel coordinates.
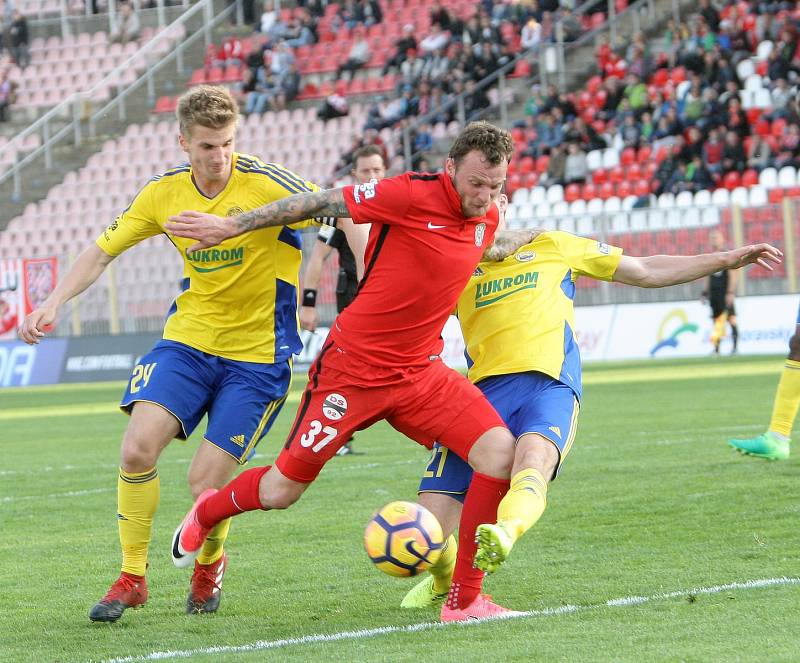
(477, 182)
(210, 151)
(369, 168)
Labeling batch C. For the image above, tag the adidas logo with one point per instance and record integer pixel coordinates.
(238, 440)
(556, 430)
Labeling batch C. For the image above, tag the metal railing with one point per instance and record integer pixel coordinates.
(68, 22)
(198, 21)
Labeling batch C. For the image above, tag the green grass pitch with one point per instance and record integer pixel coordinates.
(654, 539)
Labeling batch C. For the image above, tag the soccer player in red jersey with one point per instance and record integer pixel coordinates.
(381, 359)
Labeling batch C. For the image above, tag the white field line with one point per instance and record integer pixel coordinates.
(331, 470)
(262, 645)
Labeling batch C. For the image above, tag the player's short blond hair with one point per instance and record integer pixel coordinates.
(493, 142)
(210, 106)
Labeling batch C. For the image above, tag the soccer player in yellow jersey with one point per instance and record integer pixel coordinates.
(228, 340)
(773, 444)
(517, 318)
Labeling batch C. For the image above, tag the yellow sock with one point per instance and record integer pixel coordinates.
(524, 503)
(718, 330)
(138, 494)
(442, 570)
(212, 548)
(787, 399)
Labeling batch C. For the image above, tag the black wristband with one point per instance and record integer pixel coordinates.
(309, 297)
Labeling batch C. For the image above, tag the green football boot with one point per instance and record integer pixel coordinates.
(765, 445)
(494, 545)
(422, 595)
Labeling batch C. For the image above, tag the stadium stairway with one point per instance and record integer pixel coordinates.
(70, 157)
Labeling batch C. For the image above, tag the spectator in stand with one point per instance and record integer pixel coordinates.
(358, 56)
(423, 139)
(18, 39)
(699, 175)
(556, 167)
(403, 45)
(585, 134)
(476, 102)
(630, 132)
(735, 119)
(126, 24)
(710, 15)
(439, 99)
(288, 87)
(436, 40)
(780, 97)
(368, 12)
(636, 94)
(231, 52)
(482, 62)
(263, 90)
(712, 151)
(759, 154)
(440, 16)
(679, 180)
(694, 142)
(436, 67)
(334, 106)
(471, 34)
(647, 127)
(411, 69)
(7, 89)
(789, 147)
(576, 169)
(531, 35)
(691, 104)
(346, 17)
(298, 34)
(734, 158)
(270, 23)
(282, 58)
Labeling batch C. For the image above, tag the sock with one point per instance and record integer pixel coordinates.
(718, 330)
(237, 496)
(442, 570)
(483, 498)
(735, 335)
(787, 399)
(524, 503)
(213, 547)
(138, 494)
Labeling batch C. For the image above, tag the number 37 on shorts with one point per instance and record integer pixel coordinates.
(320, 434)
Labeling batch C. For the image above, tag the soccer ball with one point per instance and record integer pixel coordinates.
(403, 539)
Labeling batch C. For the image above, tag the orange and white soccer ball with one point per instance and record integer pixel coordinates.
(403, 539)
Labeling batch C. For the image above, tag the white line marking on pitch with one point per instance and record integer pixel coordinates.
(261, 645)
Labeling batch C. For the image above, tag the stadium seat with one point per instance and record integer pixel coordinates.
(538, 194)
(624, 188)
(588, 191)
(758, 196)
(775, 195)
(572, 192)
(606, 190)
(740, 197)
(521, 196)
(787, 177)
(610, 158)
(666, 200)
(702, 198)
(555, 193)
(684, 199)
(721, 197)
(768, 178)
(731, 180)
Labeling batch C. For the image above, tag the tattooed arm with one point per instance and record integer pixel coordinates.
(210, 230)
(508, 241)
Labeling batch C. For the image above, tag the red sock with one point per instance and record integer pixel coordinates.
(237, 496)
(480, 506)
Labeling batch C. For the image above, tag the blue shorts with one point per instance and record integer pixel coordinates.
(528, 403)
(242, 399)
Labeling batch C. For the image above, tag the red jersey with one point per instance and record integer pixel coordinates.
(421, 252)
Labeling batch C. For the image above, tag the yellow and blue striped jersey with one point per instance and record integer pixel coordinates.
(517, 315)
(239, 299)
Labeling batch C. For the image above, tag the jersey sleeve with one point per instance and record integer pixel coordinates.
(136, 223)
(280, 183)
(387, 201)
(588, 257)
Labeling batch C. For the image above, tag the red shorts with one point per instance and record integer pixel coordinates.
(426, 404)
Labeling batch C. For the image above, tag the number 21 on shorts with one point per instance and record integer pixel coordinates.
(315, 429)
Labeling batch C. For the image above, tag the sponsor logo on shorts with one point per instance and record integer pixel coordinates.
(480, 231)
(555, 429)
(238, 440)
(334, 407)
(525, 256)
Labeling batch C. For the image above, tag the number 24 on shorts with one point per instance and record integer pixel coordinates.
(308, 439)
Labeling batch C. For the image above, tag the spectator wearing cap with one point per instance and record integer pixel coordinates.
(403, 45)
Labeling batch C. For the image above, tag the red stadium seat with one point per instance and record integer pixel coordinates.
(633, 173)
(541, 163)
(641, 188)
(678, 75)
(778, 127)
(589, 191)
(750, 177)
(762, 127)
(606, 190)
(527, 165)
(198, 77)
(215, 76)
(522, 68)
(660, 77)
(624, 188)
(731, 180)
(593, 84)
(572, 192)
(616, 174)
(599, 176)
(628, 156)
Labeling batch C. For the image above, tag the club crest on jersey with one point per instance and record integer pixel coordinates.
(604, 248)
(480, 231)
(334, 407)
(525, 256)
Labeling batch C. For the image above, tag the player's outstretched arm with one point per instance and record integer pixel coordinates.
(660, 271)
(86, 270)
(210, 230)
